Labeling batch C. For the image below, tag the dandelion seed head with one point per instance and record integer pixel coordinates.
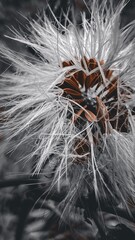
(75, 102)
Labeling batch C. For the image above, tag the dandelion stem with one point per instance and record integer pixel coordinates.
(99, 223)
(25, 180)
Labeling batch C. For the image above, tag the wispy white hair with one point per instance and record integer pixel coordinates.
(36, 108)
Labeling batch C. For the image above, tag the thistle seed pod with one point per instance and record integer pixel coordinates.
(76, 103)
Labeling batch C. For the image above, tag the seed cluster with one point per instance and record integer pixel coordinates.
(94, 96)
